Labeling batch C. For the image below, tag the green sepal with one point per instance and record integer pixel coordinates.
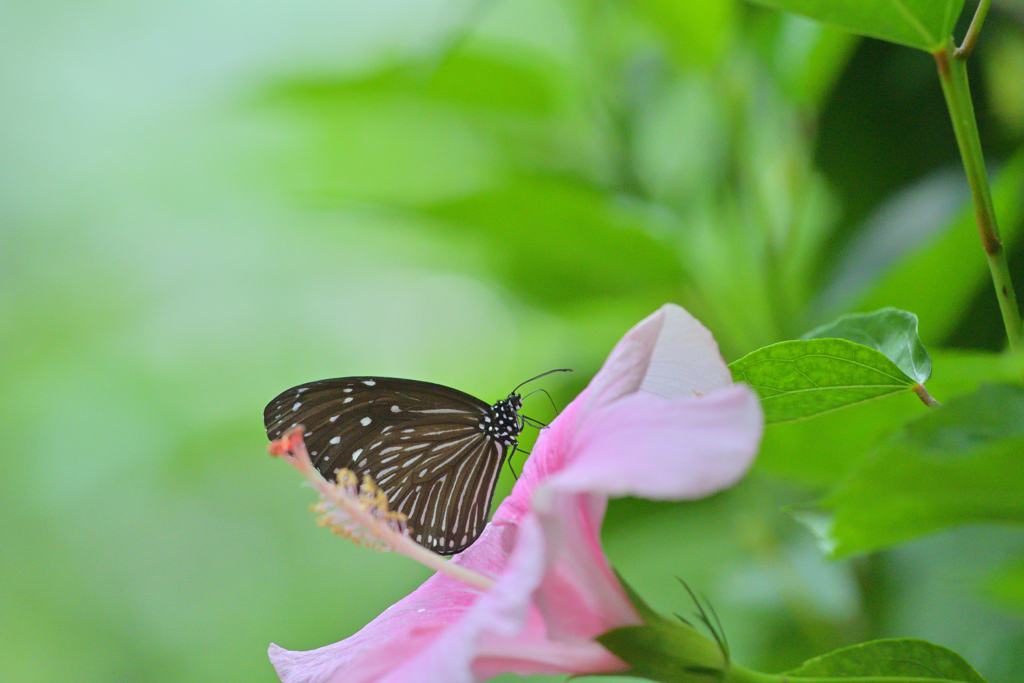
(664, 650)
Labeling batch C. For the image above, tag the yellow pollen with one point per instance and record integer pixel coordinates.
(371, 500)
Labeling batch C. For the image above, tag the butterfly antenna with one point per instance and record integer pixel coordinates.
(544, 391)
(543, 374)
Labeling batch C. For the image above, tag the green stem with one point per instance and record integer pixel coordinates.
(738, 674)
(953, 75)
(971, 39)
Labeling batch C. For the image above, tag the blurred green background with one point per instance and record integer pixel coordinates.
(204, 203)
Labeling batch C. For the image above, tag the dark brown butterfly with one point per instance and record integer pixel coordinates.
(436, 452)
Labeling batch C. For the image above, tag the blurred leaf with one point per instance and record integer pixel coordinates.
(407, 134)
(475, 79)
(890, 331)
(556, 241)
(519, 83)
(954, 264)
(1003, 62)
(956, 465)
(907, 220)
(1007, 586)
(800, 379)
(696, 31)
(387, 148)
(809, 58)
(891, 659)
(682, 162)
(820, 451)
(924, 24)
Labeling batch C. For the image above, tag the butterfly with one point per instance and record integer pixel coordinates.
(434, 451)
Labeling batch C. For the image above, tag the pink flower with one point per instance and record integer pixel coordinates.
(662, 420)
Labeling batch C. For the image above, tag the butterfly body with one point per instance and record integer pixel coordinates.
(435, 452)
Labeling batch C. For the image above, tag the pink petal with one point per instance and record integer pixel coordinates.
(685, 361)
(580, 595)
(669, 353)
(548, 457)
(641, 445)
(651, 447)
(405, 628)
(446, 632)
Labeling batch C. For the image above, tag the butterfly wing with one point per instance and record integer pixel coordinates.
(423, 444)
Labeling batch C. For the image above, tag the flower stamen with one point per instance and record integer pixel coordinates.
(373, 502)
(359, 511)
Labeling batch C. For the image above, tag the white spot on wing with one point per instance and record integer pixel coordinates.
(365, 421)
(395, 409)
(359, 451)
(369, 382)
(336, 440)
(298, 404)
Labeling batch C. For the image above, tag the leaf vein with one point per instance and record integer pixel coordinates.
(822, 355)
(892, 388)
(914, 22)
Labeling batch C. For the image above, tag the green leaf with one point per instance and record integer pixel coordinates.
(890, 331)
(924, 24)
(956, 465)
(954, 264)
(842, 439)
(800, 379)
(902, 658)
